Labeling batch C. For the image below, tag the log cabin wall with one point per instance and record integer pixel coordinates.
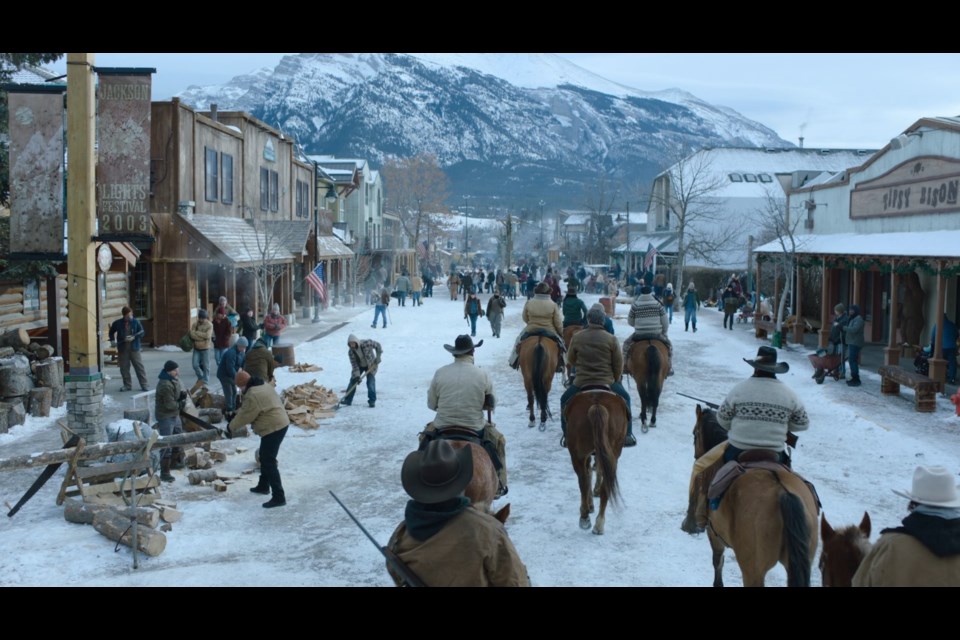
(14, 314)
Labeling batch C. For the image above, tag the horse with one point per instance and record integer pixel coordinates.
(568, 333)
(596, 428)
(843, 551)
(767, 515)
(483, 486)
(649, 365)
(538, 363)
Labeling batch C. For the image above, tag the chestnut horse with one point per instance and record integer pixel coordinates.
(568, 333)
(649, 365)
(483, 486)
(767, 515)
(843, 551)
(538, 364)
(596, 428)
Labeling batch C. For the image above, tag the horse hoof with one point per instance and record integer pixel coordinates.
(532, 423)
(597, 532)
(543, 426)
(690, 526)
(585, 523)
(644, 428)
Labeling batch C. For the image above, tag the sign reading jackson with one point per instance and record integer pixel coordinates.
(123, 157)
(921, 186)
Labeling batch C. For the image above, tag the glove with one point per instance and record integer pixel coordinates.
(129, 338)
(182, 397)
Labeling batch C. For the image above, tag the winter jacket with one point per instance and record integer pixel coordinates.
(647, 316)
(731, 301)
(574, 311)
(417, 283)
(471, 549)
(854, 331)
(457, 393)
(274, 324)
(540, 312)
(836, 329)
(472, 307)
(949, 336)
(249, 328)
(202, 334)
(495, 306)
(262, 409)
(758, 412)
(691, 300)
(120, 329)
(259, 362)
(168, 403)
(596, 355)
(222, 330)
(902, 557)
(368, 352)
(668, 297)
(403, 284)
(231, 362)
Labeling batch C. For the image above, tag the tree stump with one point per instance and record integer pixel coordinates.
(49, 372)
(118, 528)
(16, 338)
(40, 401)
(14, 412)
(58, 395)
(14, 382)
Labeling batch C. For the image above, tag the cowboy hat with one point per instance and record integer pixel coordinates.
(462, 345)
(932, 486)
(766, 360)
(437, 473)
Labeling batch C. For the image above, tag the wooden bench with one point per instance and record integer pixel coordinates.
(764, 327)
(925, 389)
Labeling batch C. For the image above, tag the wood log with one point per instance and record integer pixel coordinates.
(213, 416)
(83, 513)
(49, 372)
(14, 382)
(283, 354)
(96, 451)
(6, 352)
(40, 401)
(219, 485)
(118, 528)
(43, 351)
(207, 475)
(169, 514)
(58, 395)
(218, 456)
(14, 411)
(15, 338)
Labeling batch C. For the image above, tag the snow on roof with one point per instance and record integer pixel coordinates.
(925, 244)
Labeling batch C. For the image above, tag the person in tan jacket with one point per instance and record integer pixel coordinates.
(263, 410)
(543, 317)
(202, 335)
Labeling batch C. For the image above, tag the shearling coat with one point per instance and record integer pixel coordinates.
(596, 355)
(540, 312)
(262, 409)
(457, 393)
(901, 560)
(202, 334)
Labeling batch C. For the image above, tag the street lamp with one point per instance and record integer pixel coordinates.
(627, 255)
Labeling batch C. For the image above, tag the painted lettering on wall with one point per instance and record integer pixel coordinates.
(920, 186)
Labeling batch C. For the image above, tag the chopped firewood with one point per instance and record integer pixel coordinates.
(304, 368)
(306, 403)
(218, 456)
(219, 486)
(168, 514)
(166, 527)
(207, 475)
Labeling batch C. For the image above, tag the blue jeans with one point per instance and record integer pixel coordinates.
(229, 393)
(416, 298)
(473, 324)
(670, 312)
(268, 340)
(402, 298)
(616, 387)
(201, 364)
(218, 355)
(169, 427)
(371, 388)
(688, 315)
(378, 310)
(853, 357)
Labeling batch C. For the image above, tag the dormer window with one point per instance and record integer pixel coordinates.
(749, 177)
(765, 177)
(736, 177)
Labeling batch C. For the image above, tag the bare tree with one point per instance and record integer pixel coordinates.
(600, 197)
(775, 222)
(417, 187)
(271, 242)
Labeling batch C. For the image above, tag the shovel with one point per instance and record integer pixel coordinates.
(350, 390)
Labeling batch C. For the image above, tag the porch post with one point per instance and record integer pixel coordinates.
(798, 326)
(825, 306)
(938, 364)
(756, 306)
(892, 352)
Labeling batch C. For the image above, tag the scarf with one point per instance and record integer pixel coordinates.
(940, 536)
(426, 520)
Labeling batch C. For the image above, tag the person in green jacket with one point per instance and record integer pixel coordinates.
(574, 309)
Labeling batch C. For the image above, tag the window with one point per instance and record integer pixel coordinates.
(211, 180)
(140, 299)
(303, 199)
(264, 188)
(765, 177)
(749, 177)
(31, 295)
(736, 177)
(226, 169)
(274, 191)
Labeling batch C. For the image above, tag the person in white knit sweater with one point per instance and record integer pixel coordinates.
(649, 321)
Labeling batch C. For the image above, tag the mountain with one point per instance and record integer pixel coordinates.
(523, 127)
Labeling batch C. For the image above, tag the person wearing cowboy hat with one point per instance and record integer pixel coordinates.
(757, 414)
(542, 316)
(925, 551)
(459, 393)
(443, 539)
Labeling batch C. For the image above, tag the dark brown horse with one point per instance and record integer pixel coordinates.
(649, 365)
(843, 551)
(596, 427)
(768, 515)
(568, 333)
(538, 364)
(483, 486)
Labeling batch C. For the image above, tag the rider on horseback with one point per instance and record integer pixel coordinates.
(574, 309)
(649, 321)
(596, 354)
(542, 316)
(459, 392)
(758, 414)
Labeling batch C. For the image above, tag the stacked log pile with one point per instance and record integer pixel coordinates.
(309, 402)
(31, 379)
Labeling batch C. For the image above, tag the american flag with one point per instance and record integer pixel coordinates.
(648, 259)
(315, 280)
(422, 250)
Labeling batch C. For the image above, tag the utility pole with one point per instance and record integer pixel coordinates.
(627, 255)
(466, 227)
(541, 227)
(84, 383)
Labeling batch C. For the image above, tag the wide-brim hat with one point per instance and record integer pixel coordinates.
(934, 486)
(766, 360)
(437, 473)
(463, 344)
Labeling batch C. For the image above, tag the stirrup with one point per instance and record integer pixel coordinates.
(563, 441)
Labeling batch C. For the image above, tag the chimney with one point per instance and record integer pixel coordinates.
(213, 116)
(801, 137)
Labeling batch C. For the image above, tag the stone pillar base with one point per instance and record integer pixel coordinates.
(85, 407)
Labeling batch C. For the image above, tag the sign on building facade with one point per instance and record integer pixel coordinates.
(923, 185)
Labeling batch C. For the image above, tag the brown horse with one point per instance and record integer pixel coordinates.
(568, 333)
(843, 551)
(596, 427)
(768, 515)
(649, 365)
(483, 486)
(538, 363)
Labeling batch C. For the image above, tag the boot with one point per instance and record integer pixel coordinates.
(278, 500)
(176, 459)
(263, 487)
(630, 440)
(686, 327)
(165, 470)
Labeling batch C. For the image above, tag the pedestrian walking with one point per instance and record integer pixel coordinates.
(495, 307)
(202, 335)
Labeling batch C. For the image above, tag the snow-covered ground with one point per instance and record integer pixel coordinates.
(859, 447)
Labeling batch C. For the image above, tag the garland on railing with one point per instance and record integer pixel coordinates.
(808, 261)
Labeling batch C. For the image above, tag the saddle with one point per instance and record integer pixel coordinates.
(465, 434)
(591, 389)
(757, 459)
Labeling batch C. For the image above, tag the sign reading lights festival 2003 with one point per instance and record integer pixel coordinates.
(123, 153)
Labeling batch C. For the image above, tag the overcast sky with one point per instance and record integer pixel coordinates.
(838, 100)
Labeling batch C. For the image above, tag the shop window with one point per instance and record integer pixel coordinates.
(141, 298)
(211, 177)
(31, 295)
(264, 188)
(226, 168)
(274, 191)
(765, 177)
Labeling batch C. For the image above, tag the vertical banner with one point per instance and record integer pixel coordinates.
(36, 122)
(123, 153)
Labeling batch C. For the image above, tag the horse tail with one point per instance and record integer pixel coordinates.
(796, 535)
(539, 366)
(653, 375)
(600, 425)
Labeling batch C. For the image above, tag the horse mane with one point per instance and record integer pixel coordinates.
(713, 434)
